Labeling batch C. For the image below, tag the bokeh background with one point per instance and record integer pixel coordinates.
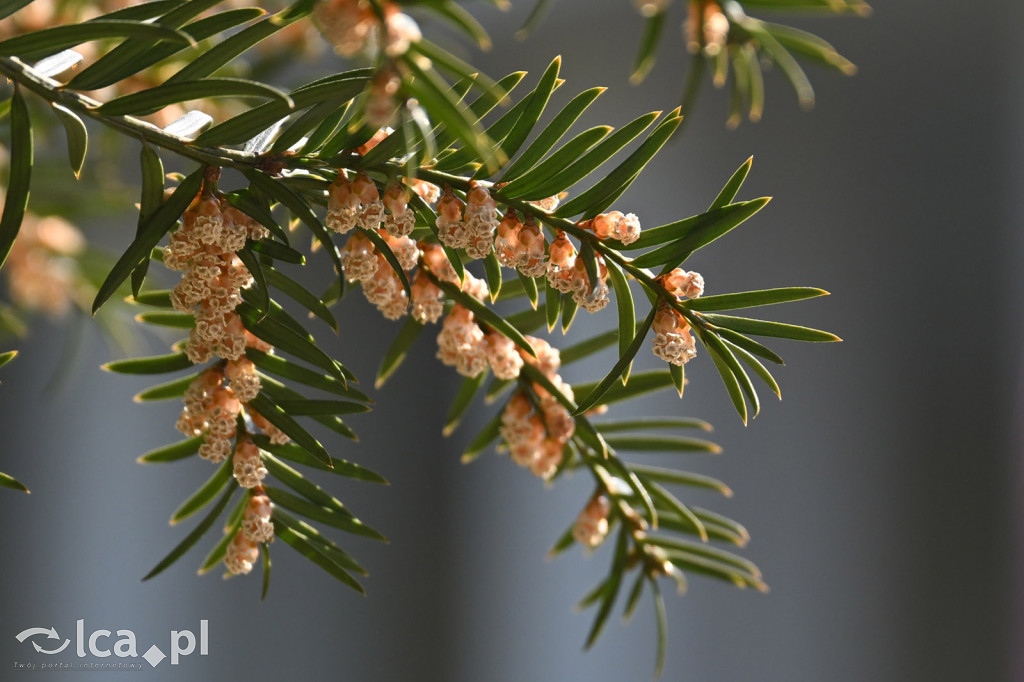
(882, 494)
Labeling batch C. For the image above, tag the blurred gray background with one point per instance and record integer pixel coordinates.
(882, 494)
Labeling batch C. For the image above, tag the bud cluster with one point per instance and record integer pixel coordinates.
(536, 432)
(257, 528)
(427, 297)
(381, 285)
(462, 343)
(475, 225)
(353, 26)
(353, 204)
(673, 341)
(521, 246)
(535, 426)
(567, 273)
(211, 408)
(204, 250)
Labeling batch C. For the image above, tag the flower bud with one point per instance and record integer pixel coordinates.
(256, 520)
(672, 341)
(248, 465)
(592, 524)
(502, 356)
(451, 228)
(532, 257)
(241, 554)
(681, 283)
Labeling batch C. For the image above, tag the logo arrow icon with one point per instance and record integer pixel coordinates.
(55, 651)
(25, 634)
